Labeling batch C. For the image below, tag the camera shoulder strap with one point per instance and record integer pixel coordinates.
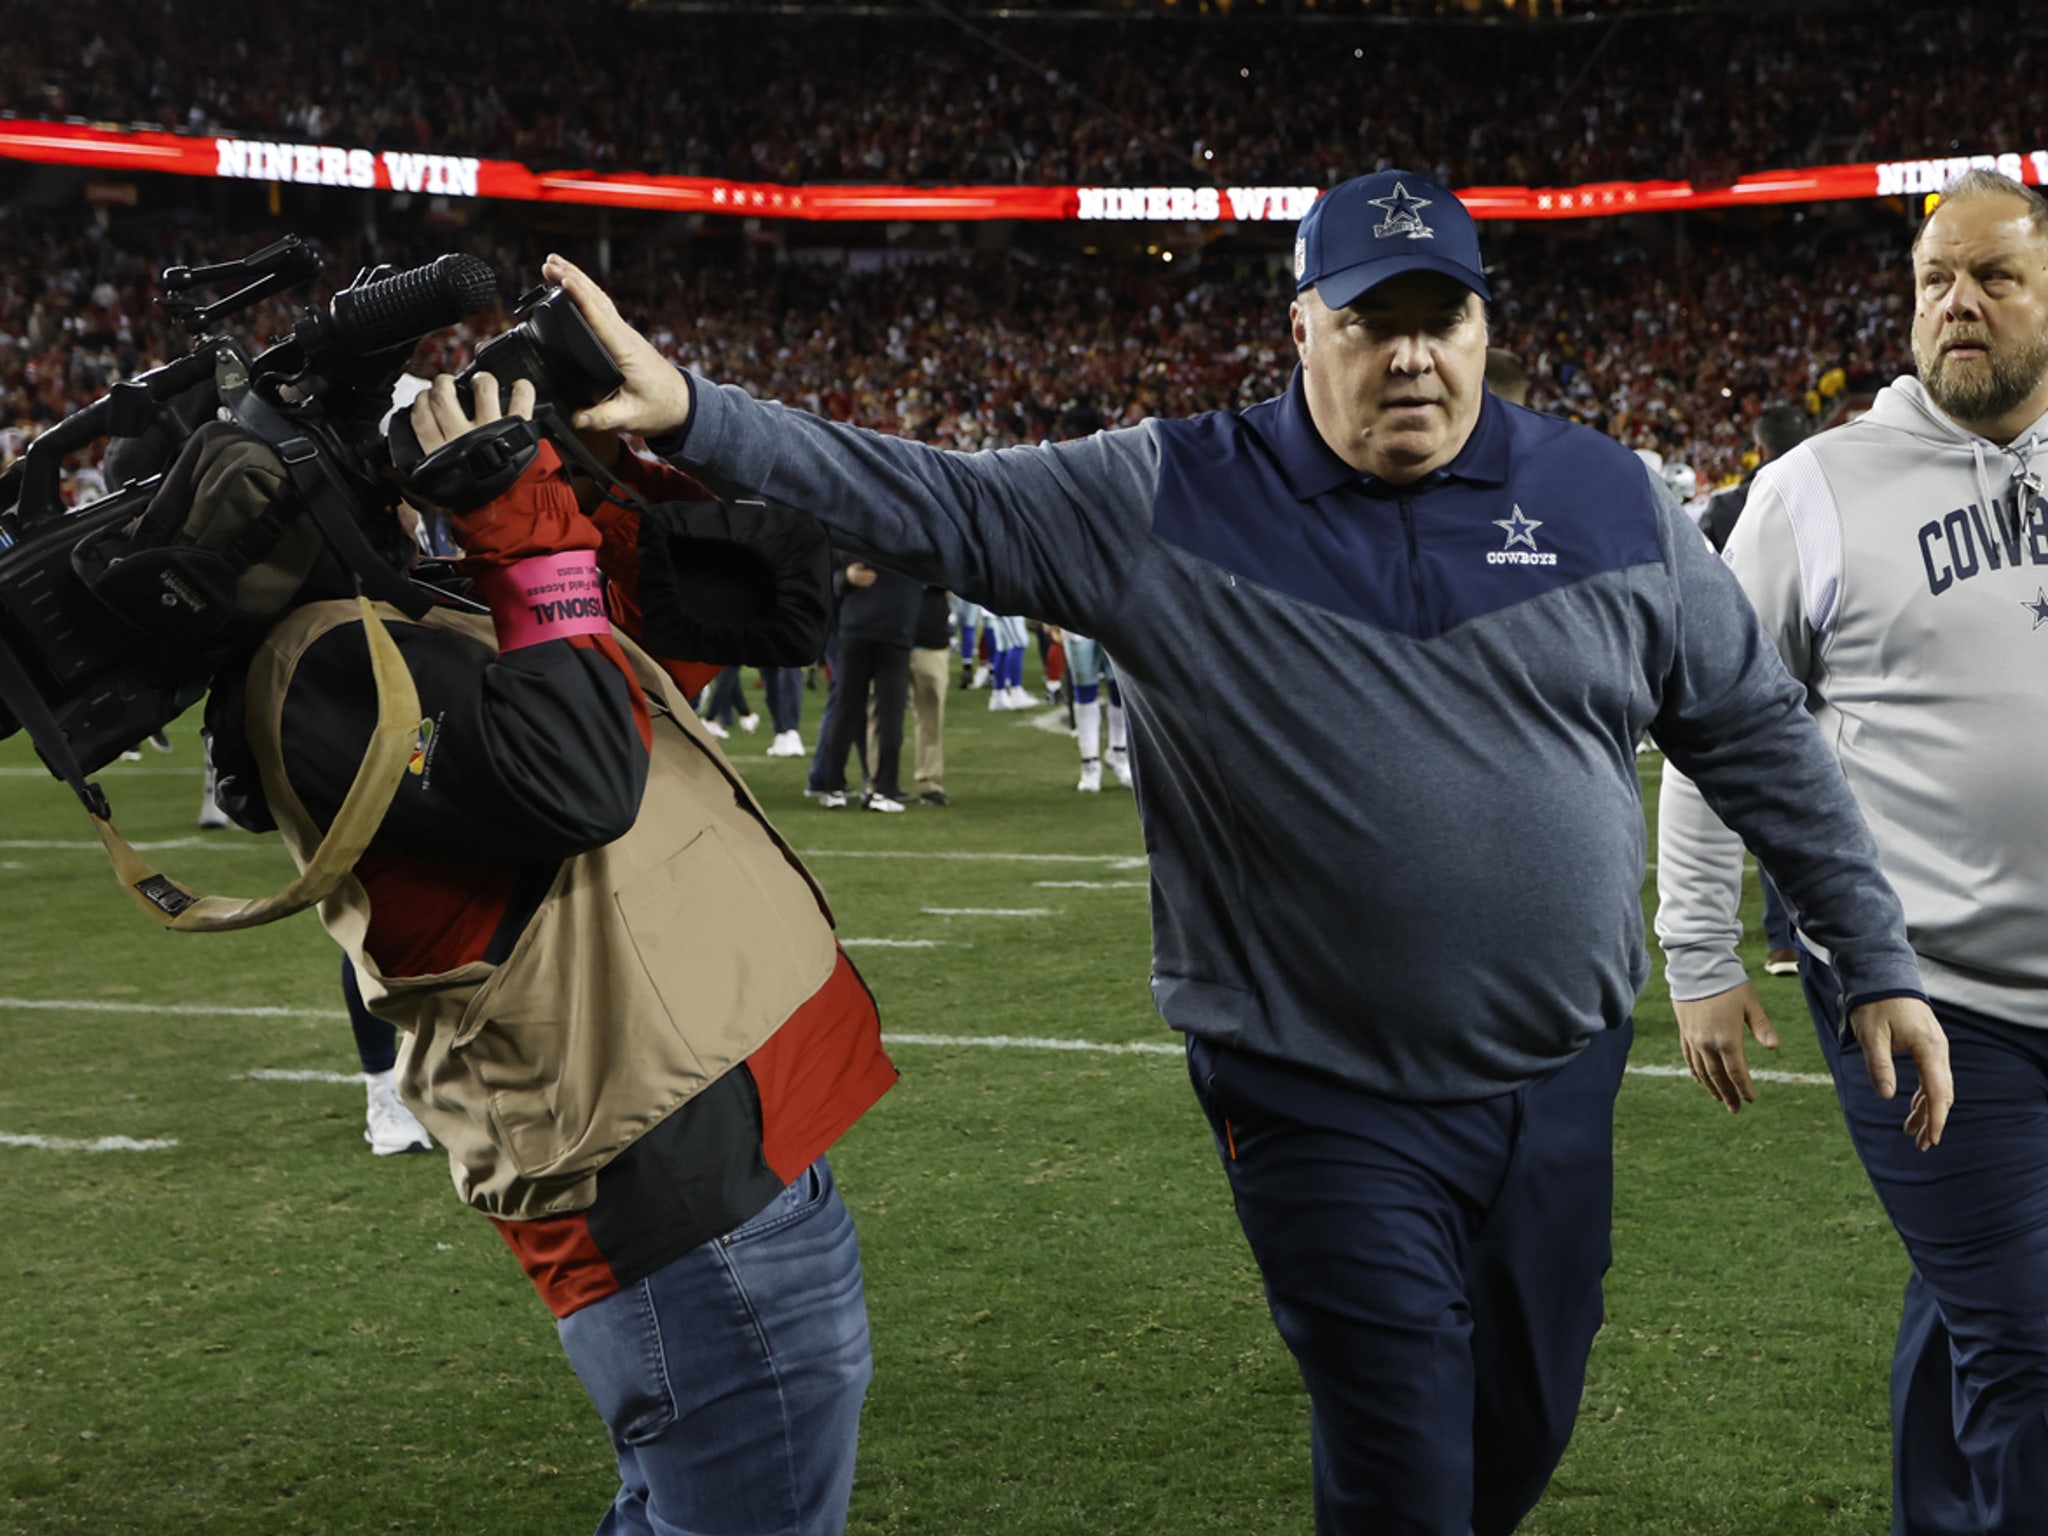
(369, 796)
(28, 706)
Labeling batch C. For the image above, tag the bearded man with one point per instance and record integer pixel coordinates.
(1901, 565)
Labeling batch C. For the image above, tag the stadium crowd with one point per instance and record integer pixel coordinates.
(990, 351)
(1704, 92)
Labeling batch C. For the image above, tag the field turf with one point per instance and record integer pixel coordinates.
(249, 1324)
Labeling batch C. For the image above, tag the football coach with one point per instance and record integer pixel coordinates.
(1397, 916)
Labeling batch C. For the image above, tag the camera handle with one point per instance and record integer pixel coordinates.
(278, 266)
(31, 487)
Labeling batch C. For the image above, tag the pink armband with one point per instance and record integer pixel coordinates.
(546, 597)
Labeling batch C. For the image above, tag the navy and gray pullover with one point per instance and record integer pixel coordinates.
(1384, 735)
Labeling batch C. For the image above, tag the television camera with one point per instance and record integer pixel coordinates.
(114, 615)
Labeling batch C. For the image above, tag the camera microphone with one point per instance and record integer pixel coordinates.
(396, 311)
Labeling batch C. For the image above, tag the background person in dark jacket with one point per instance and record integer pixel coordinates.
(1779, 429)
(931, 654)
(877, 622)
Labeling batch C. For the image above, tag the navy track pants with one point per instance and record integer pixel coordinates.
(1436, 1270)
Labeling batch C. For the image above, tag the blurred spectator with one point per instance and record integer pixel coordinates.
(1507, 376)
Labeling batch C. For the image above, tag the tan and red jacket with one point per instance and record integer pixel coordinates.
(626, 1016)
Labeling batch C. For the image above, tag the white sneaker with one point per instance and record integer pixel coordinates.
(832, 800)
(1120, 765)
(211, 817)
(388, 1126)
(874, 802)
(786, 744)
(980, 677)
(1091, 777)
(715, 729)
(750, 723)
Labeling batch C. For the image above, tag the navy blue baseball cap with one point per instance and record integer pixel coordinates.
(1370, 228)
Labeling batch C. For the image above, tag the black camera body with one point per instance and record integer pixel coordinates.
(247, 484)
(552, 347)
(105, 686)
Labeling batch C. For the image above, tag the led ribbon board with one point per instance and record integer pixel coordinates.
(329, 165)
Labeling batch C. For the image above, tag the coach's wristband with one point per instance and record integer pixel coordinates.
(546, 597)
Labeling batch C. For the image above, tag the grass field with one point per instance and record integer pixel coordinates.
(248, 1324)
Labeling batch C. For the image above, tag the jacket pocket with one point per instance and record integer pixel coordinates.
(730, 950)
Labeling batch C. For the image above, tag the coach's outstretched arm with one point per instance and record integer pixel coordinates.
(1058, 530)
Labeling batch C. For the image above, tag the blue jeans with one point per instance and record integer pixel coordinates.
(785, 689)
(728, 697)
(1970, 1371)
(1436, 1270)
(1777, 916)
(731, 1379)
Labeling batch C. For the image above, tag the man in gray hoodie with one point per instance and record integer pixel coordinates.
(1399, 918)
(1899, 564)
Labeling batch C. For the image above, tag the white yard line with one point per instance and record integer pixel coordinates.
(218, 843)
(173, 1010)
(1091, 885)
(71, 1144)
(1036, 1043)
(1762, 1075)
(1109, 860)
(109, 772)
(267, 843)
(964, 1042)
(1159, 1048)
(890, 943)
(990, 911)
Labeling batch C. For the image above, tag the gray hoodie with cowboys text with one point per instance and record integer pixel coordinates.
(1900, 564)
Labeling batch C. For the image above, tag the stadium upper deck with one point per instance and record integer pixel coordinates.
(1279, 94)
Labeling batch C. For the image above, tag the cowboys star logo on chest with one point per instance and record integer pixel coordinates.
(1520, 547)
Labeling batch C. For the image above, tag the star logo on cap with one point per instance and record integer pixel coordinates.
(2038, 607)
(1404, 214)
(1522, 530)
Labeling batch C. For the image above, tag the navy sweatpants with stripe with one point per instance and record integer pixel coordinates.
(1970, 1371)
(1436, 1270)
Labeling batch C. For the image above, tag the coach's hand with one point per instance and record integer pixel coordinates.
(1710, 1031)
(654, 401)
(1895, 1026)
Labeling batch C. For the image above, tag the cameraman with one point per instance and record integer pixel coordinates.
(627, 1018)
